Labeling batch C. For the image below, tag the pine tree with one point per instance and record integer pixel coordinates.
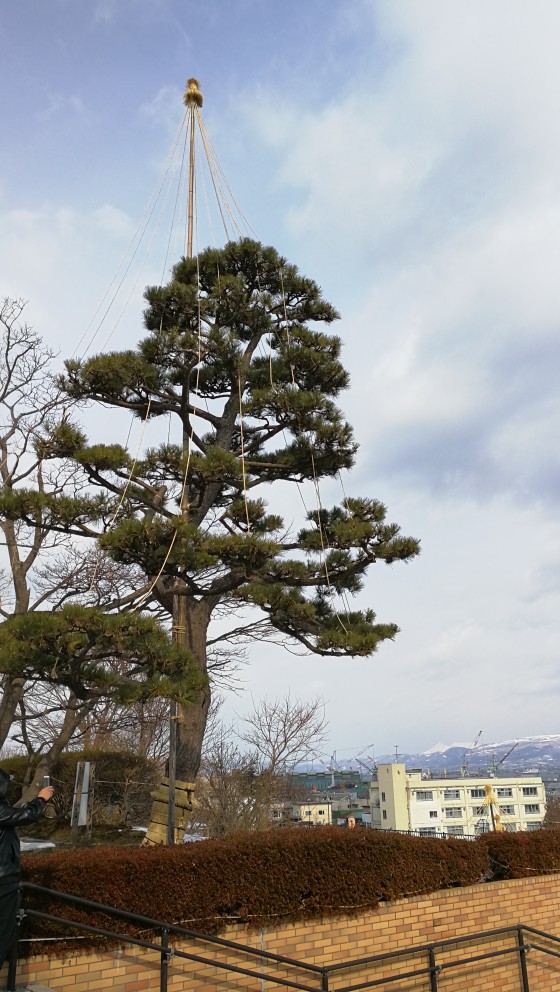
(238, 354)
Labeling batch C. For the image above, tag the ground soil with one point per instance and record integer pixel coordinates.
(61, 835)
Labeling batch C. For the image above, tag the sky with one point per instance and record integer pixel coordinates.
(406, 156)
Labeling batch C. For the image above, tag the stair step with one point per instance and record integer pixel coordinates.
(33, 988)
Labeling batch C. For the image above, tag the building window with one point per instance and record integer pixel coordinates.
(504, 793)
(425, 795)
(507, 810)
(533, 826)
(455, 831)
(529, 790)
(382, 797)
(321, 812)
(454, 812)
(384, 814)
(479, 810)
(477, 793)
(511, 827)
(451, 793)
(427, 832)
(433, 814)
(532, 808)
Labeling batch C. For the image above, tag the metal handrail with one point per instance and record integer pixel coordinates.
(152, 924)
(432, 969)
(422, 948)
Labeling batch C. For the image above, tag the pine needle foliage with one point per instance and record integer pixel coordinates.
(240, 357)
(57, 661)
(76, 645)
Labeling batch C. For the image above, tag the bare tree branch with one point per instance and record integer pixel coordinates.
(285, 731)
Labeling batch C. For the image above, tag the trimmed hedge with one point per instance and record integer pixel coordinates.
(261, 879)
(257, 879)
(522, 855)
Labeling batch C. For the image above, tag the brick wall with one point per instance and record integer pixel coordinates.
(415, 921)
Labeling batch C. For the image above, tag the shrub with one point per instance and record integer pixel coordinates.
(257, 878)
(520, 855)
(122, 786)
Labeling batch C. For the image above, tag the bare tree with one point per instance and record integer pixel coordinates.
(31, 409)
(235, 793)
(239, 788)
(283, 732)
(142, 728)
(552, 816)
(51, 719)
(46, 571)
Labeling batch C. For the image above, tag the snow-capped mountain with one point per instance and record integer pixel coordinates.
(526, 753)
(540, 755)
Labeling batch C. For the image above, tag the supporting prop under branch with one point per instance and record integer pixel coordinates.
(184, 804)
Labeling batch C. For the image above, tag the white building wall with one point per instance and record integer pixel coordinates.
(462, 806)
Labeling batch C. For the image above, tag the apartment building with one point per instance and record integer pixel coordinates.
(460, 807)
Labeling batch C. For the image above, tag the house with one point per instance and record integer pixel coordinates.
(353, 816)
(317, 814)
(459, 807)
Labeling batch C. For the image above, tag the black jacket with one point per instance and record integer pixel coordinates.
(12, 817)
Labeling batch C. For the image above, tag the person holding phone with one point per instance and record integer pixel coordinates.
(12, 817)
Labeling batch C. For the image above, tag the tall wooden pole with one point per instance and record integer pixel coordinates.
(192, 100)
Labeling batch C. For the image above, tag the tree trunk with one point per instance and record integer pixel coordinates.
(191, 725)
(11, 697)
(72, 719)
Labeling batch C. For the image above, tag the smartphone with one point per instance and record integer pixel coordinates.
(46, 781)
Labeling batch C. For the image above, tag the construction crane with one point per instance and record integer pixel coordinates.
(332, 768)
(468, 754)
(362, 764)
(371, 756)
(496, 765)
(491, 800)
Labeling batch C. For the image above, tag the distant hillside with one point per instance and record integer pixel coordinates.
(539, 755)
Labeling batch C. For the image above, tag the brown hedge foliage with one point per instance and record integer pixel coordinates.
(521, 855)
(254, 878)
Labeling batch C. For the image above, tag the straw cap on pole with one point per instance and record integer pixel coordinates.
(192, 93)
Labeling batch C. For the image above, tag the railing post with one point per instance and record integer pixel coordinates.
(324, 981)
(164, 966)
(12, 960)
(433, 970)
(523, 959)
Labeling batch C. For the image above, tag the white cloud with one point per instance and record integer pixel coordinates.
(434, 182)
(59, 104)
(428, 201)
(165, 109)
(107, 11)
(104, 11)
(112, 220)
(62, 261)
